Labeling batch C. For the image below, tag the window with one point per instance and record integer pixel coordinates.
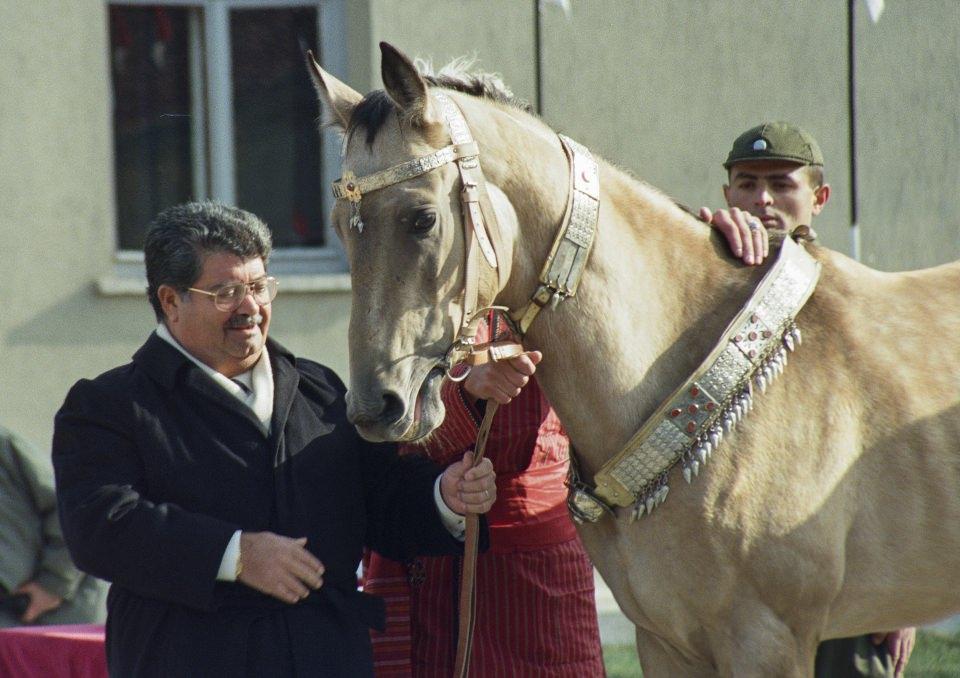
(212, 100)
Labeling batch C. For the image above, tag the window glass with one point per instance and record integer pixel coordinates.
(276, 144)
(151, 115)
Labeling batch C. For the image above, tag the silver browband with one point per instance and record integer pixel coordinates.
(353, 188)
(689, 425)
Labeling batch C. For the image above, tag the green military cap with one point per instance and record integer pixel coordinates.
(775, 141)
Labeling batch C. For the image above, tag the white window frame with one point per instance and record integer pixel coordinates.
(302, 269)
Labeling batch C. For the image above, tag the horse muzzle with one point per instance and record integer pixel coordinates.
(384, 414)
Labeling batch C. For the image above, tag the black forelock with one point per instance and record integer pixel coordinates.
(371, 114)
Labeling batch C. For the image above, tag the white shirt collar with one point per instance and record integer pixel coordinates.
(259, 379)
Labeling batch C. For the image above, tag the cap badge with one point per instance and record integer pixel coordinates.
(760, 145)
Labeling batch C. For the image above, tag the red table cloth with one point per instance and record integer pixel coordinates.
(73, 651)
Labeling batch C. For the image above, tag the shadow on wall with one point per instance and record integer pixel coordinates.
(86, 318)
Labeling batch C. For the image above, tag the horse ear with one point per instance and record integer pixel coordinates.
(404, 84)
(337, 99)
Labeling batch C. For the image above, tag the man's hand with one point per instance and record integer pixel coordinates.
(744, 232)
(468, 489)
(278, 566)
(41, 601)
(502, 381)
(899, 645)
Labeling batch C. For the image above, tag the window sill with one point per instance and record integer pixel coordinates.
(299, 272)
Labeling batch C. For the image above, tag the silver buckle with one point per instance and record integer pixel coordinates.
(584, 506)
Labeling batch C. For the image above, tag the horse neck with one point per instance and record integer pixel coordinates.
(655, 297)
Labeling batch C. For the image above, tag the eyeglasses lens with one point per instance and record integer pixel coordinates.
(229, 297)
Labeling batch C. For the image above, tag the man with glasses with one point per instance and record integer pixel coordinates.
(216, 482)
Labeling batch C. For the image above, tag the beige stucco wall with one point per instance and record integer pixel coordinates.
(55, 207)
(908, 95)
(662, 89)
(499, 34)
(659, 87)
(674, 83)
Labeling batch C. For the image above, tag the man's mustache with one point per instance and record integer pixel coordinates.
(244, 320)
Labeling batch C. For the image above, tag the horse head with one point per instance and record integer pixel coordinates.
(404, 237)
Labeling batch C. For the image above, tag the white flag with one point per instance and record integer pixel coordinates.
(562, 4)
(874, 9)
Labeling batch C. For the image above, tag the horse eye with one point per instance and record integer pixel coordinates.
(424, 221)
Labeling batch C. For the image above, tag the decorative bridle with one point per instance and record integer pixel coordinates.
(559, 279)
(563, 269)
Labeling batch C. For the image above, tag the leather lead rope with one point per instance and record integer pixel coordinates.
(468, 576)
(559, 278)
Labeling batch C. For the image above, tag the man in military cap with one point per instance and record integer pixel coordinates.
(775, 174)
(776, 181)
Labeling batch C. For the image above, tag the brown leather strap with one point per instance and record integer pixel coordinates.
(494, 351)
(469, 573)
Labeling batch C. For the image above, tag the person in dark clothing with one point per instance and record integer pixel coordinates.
(216, 482)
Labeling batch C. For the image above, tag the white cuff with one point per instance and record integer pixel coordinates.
(455, 523)
(228, 564)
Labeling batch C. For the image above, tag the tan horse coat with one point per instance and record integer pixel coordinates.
(834, 508)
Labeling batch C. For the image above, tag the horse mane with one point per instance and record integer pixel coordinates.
(372, 112)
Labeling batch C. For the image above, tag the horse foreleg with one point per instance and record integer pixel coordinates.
(658, 659)
(758, 644)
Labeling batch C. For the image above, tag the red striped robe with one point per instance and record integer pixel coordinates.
(536, 613)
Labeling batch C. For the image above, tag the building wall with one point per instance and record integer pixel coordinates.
(681, 80)
(55, 209)
(497, 34)
(908, 134)
(658, 87)
(663, 88)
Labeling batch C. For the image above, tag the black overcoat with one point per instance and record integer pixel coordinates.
(157, 466)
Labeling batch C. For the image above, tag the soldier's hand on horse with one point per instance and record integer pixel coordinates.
(900, 645)
(466, 488)
(41, 601)
(502, 381)
(278, 566)
(745, 233)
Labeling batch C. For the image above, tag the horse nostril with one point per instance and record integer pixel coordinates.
(388, 409)
(392, 407)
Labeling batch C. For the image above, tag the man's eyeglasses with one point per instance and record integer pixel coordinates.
(228, 297)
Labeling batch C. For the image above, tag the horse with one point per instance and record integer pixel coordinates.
(831, 510)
